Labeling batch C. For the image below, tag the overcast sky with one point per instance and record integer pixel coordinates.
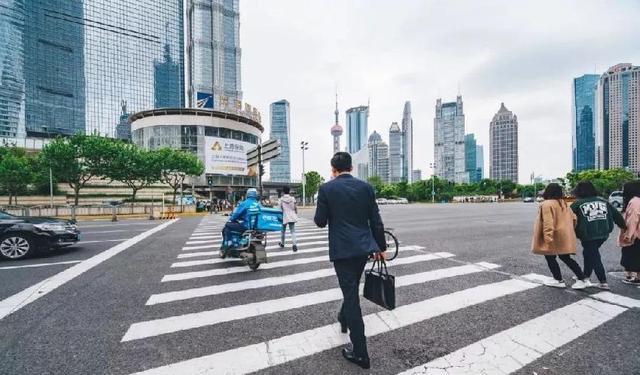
(522, 53)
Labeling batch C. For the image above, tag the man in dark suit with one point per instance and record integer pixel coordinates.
(356, 231)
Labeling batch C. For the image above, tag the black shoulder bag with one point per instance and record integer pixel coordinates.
(379, 286)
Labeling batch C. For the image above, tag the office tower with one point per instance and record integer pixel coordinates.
(471, 161)
(336, 130)
(12, 20)
(416, 175)
(360, 162)
(449, 153)
(280, 167)
(395, 153)
(378, 157)
(407, 142)
(503, 136)
(618, 123)
(213, 51)
(480, 162)
(357, 128)
(583, 127)
(55, 68)
(123, 129)
(66, 65)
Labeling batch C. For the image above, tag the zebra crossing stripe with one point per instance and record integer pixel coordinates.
(514, 348)
(228, 260)
(270, 247)
(284, 349)
(617, 299)
(243, 269)
(207, 318)
(212, 290)
(217, 234)
(218, 241)
(270, 254)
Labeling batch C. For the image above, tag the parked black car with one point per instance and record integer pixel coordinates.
(21, 237)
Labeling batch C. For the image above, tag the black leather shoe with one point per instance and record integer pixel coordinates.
(360, 361)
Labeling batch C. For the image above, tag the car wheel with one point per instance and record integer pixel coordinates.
(16, 246)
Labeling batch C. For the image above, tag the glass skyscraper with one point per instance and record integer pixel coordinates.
(280, 167)
(471, 158)
(378, 157)
(213, 49)
(449, 140)
(357, 128)
(583, 129)
(618, 117)
(73, 62)
(395, 153)
(503, 147)
(12, 19)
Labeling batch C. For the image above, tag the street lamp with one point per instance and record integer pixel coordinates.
(304, 146)
(433, 182)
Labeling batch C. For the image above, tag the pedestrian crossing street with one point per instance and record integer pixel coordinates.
(198, 265)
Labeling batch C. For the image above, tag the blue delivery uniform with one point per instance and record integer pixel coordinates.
(239, 220)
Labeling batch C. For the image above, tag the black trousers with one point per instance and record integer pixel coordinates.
(592, 260)
(229, 227)
(554, 267)
(349, 272)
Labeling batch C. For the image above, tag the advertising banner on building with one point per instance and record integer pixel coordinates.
(226, 156)
(204, 100)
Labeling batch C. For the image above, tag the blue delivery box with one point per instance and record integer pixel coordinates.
(269, 220)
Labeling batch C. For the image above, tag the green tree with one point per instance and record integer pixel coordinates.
(176, 165)
(377, 183)
(77, 159)
(134, 167)
(605, 181)
(16, 172)
(313, 180)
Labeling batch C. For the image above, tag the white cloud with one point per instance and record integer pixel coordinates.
(522, 53)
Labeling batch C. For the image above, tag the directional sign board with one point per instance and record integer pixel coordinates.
(269, 149)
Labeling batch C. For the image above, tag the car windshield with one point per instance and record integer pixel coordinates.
(6, 216)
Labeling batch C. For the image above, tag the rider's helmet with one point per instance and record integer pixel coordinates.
(252, 193)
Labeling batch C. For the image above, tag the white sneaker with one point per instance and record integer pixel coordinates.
(579, 284)
(588, 283)
(555, 283)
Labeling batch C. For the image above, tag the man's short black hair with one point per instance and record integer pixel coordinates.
(341, 162)
(286, 189)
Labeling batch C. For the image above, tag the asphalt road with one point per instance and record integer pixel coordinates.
(154, 296)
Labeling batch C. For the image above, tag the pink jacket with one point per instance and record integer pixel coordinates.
(632, 218)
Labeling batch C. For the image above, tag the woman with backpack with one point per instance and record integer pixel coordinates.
(596, 218)
(629, 238)
(553, 236)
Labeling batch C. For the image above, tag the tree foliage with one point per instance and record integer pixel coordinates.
(313, 180)
(134, 167)
(176, 165)
(16, 172)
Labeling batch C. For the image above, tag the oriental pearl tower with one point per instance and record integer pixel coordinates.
(336, 130)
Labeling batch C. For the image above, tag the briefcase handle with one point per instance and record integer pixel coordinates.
(381, 265)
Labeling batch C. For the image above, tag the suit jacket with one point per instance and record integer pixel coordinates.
(348, 206)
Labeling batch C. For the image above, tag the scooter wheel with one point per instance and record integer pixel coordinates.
(254, 267)
(223, 254)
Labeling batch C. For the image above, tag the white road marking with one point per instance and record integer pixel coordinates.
(617, 299)
(213, 290)
(301, 243)
(514, 348)
(219, 260)
(99, 241)
(281, 350)
(207, 318)
(219, 241)
(301, 250)
(243, 269)
(40, 265)
(111, 231)
(25, 297)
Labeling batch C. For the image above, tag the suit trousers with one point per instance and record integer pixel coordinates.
(349, 272)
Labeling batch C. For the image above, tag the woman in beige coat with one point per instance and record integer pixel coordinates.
(554, 235)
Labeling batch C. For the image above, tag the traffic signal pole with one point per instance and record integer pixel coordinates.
(260, 170)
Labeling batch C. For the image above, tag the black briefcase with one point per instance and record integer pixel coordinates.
(379, 286)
